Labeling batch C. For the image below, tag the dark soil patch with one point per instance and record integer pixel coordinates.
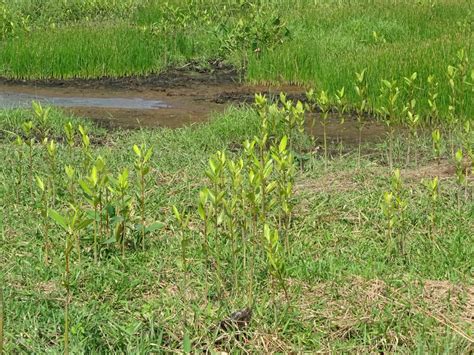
(192, 94)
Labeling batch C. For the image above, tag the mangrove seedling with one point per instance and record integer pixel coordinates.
(462, 67)
(90, 187)
(413, 121)
(362, 91)
(69, 133)
(341, 106)
(436, 138)
(285, 169)
(452, 117)
(51, 150)
(311, 106)
(29, 139)
(70, 174)
(410, 88)
(390, 94)
(323, 103)
(142, 167)
(71, 223)
(86, 154)
(44, 215)
(204, 215)
(120, 188)
(432, 187)
(234, 214)
(276, 264)
(433, 99)
(217, 192)
(460, 176)
(19, 166)
(393, 207)
(42, 117)
(183, 221)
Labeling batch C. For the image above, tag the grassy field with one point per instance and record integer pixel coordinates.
(149, 240)
(320, 43)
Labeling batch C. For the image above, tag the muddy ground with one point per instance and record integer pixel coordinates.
(192, 96)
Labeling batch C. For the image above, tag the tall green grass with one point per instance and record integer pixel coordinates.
(333, 40)
(329, 40)
(94, 51)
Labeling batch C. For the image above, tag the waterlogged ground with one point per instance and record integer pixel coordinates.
(174, 99)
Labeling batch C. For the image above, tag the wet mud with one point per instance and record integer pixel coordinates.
(173, 99)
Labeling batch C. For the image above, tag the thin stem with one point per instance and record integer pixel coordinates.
(206, 252)
(123, 225)
(95, 233)
(1, 320)
(325, 146)
(359, 146)
(390, 149)
(142, 183)
(46, 229)
(68, 295)
(31, 169)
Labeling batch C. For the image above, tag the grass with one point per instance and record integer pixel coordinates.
(325, 47)
(349, 278)
(348, 292)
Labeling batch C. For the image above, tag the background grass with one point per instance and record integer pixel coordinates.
(328, 41)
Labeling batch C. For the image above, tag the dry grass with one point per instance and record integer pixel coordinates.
(343, 308)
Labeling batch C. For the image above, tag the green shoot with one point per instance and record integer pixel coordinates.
(341, 105)
(87, 157)
(71, 223)
(69, 133)
(390, 94)
(19, 166)
(432, 187)
(460, 174)
(323, 103)
(276, 264)
(436, 138)
(393, 207)
(142, 167)
(29, 139)
(42, 118)
(44, 215)
(361, 89)
(433, 94)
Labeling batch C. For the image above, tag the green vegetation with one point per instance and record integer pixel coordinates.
(150, 240)
(328, 257)
(322, 43)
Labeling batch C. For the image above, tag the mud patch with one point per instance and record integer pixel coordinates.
(172, 99)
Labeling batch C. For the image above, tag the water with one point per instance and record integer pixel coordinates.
(20, 100)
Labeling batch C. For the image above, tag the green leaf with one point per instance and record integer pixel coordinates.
(148, 154)
(187, 343)
(137, 150)
(85, 187)
(40, 183)
(202, 212)
(59, 219)
(283, 144)
(177, 215)
(83, 223)
(154, 227)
